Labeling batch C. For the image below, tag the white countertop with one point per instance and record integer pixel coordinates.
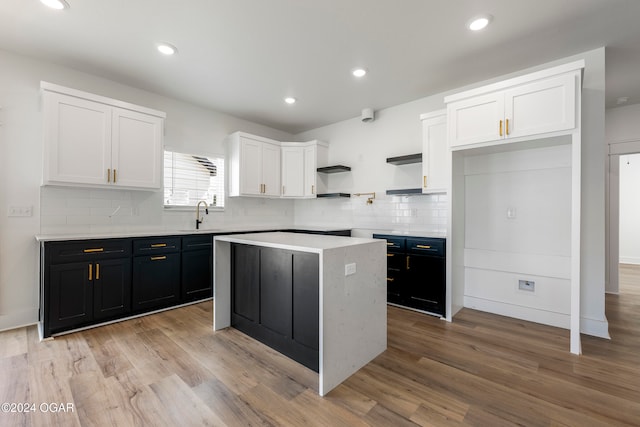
(295, 241)
(152, 233)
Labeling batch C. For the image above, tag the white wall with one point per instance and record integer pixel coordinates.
(62, 210)
(630, 209)
(396, 131)
(365, 147)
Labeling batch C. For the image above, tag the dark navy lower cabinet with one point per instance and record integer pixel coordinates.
(85, 283)
(156, 273)
(416, 272)
(197, 267)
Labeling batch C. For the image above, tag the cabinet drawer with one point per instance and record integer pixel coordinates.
(201, 241)
(156, 245)
(426, 246)
(87, 250)
(394, 243)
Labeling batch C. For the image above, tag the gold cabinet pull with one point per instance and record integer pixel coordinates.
(264, 188)
(424, 181)
(390, 279)
(507, 126)
(97, 271)
(90, 271)
(389, 255)
(158, 258)
(500, 127)
(108, 175)
(91, 250)
(423, 246)
(408, 266)
(114, 176)
(158, 245)
(389, 244)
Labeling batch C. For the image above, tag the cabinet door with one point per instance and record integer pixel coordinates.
(196, 274)
(112, 288)
(476, 120)
(310, 170)
(539, 107)
(271, 169)
(306, 300)
(245, 279)
(426, 283)
(156, 281)
(276, 291)
(435, 171)
(77, 140)
(293, 174)
(396, 280)
(136, 156)
(70, 297)
(250, 166)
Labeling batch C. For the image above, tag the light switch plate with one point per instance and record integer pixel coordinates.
(350, 269)
(20, 211)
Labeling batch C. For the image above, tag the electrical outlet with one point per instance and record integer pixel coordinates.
(350, 269)
(526, 285)
(20, 211)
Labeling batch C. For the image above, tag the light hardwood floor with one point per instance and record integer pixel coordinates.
(172, 369)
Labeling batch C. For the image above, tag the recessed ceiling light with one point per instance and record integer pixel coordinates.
(290, 100)
(55, 4)
(479, 22)
(359, 72)
(167, 49)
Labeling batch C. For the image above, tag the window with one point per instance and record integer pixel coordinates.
(189, 179)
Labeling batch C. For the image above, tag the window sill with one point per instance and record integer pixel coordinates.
(190, 209)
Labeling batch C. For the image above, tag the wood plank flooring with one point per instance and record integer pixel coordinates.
(171, 369)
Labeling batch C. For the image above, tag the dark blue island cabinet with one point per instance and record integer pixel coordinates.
(275, 299)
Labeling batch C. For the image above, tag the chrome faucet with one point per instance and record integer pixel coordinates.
(199, 219)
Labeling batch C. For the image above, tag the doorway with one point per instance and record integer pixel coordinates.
(629, 224)
(623, 231)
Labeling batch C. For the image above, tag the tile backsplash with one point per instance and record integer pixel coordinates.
(77, 210)
(418, 214)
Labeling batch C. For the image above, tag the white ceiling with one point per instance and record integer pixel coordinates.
(243, 57)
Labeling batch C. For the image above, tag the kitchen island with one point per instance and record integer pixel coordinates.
(284, 288)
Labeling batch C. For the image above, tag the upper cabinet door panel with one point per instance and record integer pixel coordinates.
(435, 171)
(292, 172)
(77, 140)
(250, 166)
(136, 149)
(310, 170)
(271, 169)
(543, 106)
(476, 119)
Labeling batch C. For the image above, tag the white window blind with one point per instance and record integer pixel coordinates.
(190, 178)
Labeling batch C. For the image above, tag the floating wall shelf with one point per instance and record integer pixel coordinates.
(404, 191)
(405, 160)
(334, 169)
(332, 195)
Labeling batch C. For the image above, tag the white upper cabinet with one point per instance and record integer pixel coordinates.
(254, 166)
(311, 169)
(94, 141)
(293, 175)
(435, 169)
(299, 168)
(136, 145)
(536, 104)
